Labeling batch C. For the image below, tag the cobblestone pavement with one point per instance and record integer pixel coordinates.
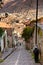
(19, 57)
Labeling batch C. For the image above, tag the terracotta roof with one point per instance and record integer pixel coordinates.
(5, 25)
(41, 20)
(27, 22)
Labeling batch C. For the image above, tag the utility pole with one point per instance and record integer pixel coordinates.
(36, 20)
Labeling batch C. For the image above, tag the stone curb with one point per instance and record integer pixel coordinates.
(8, 54)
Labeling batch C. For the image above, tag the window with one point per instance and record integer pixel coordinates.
(17, 21)
(0, 19)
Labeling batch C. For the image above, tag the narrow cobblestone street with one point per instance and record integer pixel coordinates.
(21, 20)
(19, 57)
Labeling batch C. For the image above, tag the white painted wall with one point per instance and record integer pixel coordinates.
(6, 39)
(2, 41)
(2, 45)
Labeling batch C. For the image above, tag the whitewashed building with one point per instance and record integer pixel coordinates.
(3, 41)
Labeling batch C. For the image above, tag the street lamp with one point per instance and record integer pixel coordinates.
(36, 20)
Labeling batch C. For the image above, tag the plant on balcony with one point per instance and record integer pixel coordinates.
(27, 33)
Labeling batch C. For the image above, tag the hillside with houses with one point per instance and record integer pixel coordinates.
(23, 7)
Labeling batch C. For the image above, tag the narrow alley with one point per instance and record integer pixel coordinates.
(19, 57)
